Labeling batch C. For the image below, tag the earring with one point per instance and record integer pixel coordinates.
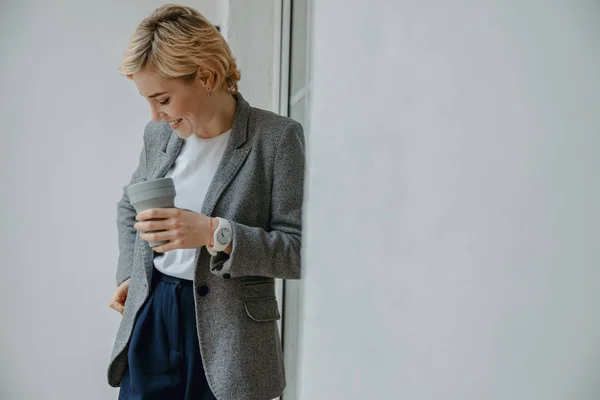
(208, 92)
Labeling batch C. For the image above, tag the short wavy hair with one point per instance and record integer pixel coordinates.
(175, 41)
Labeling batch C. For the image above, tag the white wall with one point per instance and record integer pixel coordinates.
(251, 31)
(452, 242)
(70, 135)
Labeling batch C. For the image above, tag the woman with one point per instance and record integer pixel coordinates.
(199, 312)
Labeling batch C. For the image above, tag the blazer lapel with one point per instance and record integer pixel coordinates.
(233, 158)
(230, 165)
(167, 156)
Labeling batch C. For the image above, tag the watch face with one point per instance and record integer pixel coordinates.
(224, 236)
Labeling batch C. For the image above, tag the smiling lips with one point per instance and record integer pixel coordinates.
(175, 122)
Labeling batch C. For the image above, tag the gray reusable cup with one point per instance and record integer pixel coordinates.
(157, 193)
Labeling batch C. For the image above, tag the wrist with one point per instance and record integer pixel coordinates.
(210, 226)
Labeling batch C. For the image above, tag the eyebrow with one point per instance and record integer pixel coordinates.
(156, 95)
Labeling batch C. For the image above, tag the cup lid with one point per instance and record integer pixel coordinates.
(149, 185)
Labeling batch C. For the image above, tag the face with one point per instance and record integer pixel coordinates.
(185, 106)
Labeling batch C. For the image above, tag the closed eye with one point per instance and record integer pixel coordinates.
(164, 103)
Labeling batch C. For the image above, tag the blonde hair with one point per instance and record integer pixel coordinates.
(175, 40)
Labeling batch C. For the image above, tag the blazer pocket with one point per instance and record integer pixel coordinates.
(262, 310)
(258, 290)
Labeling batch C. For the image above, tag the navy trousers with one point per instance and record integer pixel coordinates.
(164, 357)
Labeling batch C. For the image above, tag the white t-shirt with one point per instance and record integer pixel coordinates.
(192, 173)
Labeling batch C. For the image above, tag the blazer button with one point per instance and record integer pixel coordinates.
(226, 276)
(203, 290)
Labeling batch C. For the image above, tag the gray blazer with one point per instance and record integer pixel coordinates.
(258, 186)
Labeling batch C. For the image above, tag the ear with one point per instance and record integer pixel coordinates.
(206, 78)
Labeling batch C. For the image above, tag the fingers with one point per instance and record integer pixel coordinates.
(153, 225)
(152, 213)
(117, 301)
(171, 235)
(171, 245)
(157, 225)
(117, 306)
(121, 291)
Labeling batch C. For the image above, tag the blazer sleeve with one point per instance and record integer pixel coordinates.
(126, 219)
(274, 253)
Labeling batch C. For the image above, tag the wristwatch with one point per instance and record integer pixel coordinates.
(222, 237)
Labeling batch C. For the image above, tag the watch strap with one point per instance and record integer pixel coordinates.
(218, 246)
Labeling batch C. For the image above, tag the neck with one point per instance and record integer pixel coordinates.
(222, 119)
